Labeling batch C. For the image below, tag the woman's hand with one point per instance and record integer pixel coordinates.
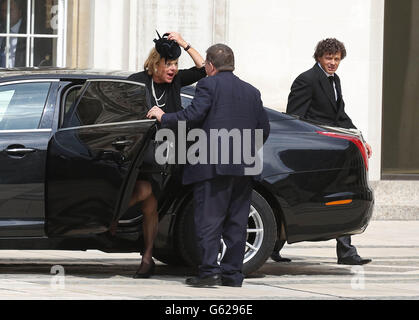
(196, 57)
(178, 38)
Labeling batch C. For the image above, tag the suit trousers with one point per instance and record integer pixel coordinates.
(344, 248)
(222, 207)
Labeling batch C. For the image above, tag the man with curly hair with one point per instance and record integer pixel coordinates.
(317, 95)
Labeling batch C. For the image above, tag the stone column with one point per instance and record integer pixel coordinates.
(221, 21)
(119, 34)
(201, 23)
(79, 29)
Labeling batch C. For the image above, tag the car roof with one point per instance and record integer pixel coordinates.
(49, 73)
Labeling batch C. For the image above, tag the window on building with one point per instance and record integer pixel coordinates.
(32, 33)
(400, 157)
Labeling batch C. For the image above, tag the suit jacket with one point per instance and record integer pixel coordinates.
(43, 49)
(20, 55)
(312, 97)
(222, 101)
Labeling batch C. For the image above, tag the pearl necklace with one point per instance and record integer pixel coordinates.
(155, 97)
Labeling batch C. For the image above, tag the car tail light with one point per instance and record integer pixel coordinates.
(353, 139)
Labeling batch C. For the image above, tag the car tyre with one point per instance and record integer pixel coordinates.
(261, 236)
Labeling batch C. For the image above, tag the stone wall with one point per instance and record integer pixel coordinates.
(396, 200)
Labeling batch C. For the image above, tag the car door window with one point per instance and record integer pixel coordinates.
(70, 98)
(22, 105)
(105, 102)
(186, 100)
(68, 102)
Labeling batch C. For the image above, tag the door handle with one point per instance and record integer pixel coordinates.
(19, 152)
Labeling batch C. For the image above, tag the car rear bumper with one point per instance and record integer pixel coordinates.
(323, 205)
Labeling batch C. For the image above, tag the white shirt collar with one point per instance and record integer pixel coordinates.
(327, 74)
(13, 43)
(16, 27)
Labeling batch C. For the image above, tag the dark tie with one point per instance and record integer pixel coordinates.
(333, 84)
(332, 81)
(3, 53)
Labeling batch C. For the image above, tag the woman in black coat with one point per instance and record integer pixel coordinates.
(164, 80)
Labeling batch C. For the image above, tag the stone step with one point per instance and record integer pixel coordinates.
(396, 200)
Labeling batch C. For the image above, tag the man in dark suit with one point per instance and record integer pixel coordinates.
(42, 55)
(317, 95)
(17, 53)
(222, 189)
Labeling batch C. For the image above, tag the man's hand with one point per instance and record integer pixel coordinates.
(156, 113)
(369, 150)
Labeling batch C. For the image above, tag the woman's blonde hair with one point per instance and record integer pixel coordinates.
(150, 65)
(152, 61)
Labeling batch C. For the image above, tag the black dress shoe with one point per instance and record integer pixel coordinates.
(146, 270)
(207, 281)
(229, 283)
(354, 260)
(275, 256)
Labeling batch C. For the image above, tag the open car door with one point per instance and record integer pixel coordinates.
(93, 158)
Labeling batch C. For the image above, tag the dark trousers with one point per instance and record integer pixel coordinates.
(222, 207)
(344, 248)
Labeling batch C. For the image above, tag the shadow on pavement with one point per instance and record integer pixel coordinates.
(107, 268)
(88, 268)
(294, 268)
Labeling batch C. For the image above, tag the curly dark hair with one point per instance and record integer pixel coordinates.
(329, 46)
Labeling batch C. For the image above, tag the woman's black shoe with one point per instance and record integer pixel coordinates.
(146, 270)
(275, 256)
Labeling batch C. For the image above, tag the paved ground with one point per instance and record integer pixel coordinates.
(313, 273)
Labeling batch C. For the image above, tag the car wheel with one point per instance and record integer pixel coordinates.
(260, 241)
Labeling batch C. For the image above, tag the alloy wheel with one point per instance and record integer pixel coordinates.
(254, 237)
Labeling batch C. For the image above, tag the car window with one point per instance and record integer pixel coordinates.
(70, 98)
(186, 100)
(22, 105)
(105, 102)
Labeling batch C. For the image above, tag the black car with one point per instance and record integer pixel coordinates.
(73, 143)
